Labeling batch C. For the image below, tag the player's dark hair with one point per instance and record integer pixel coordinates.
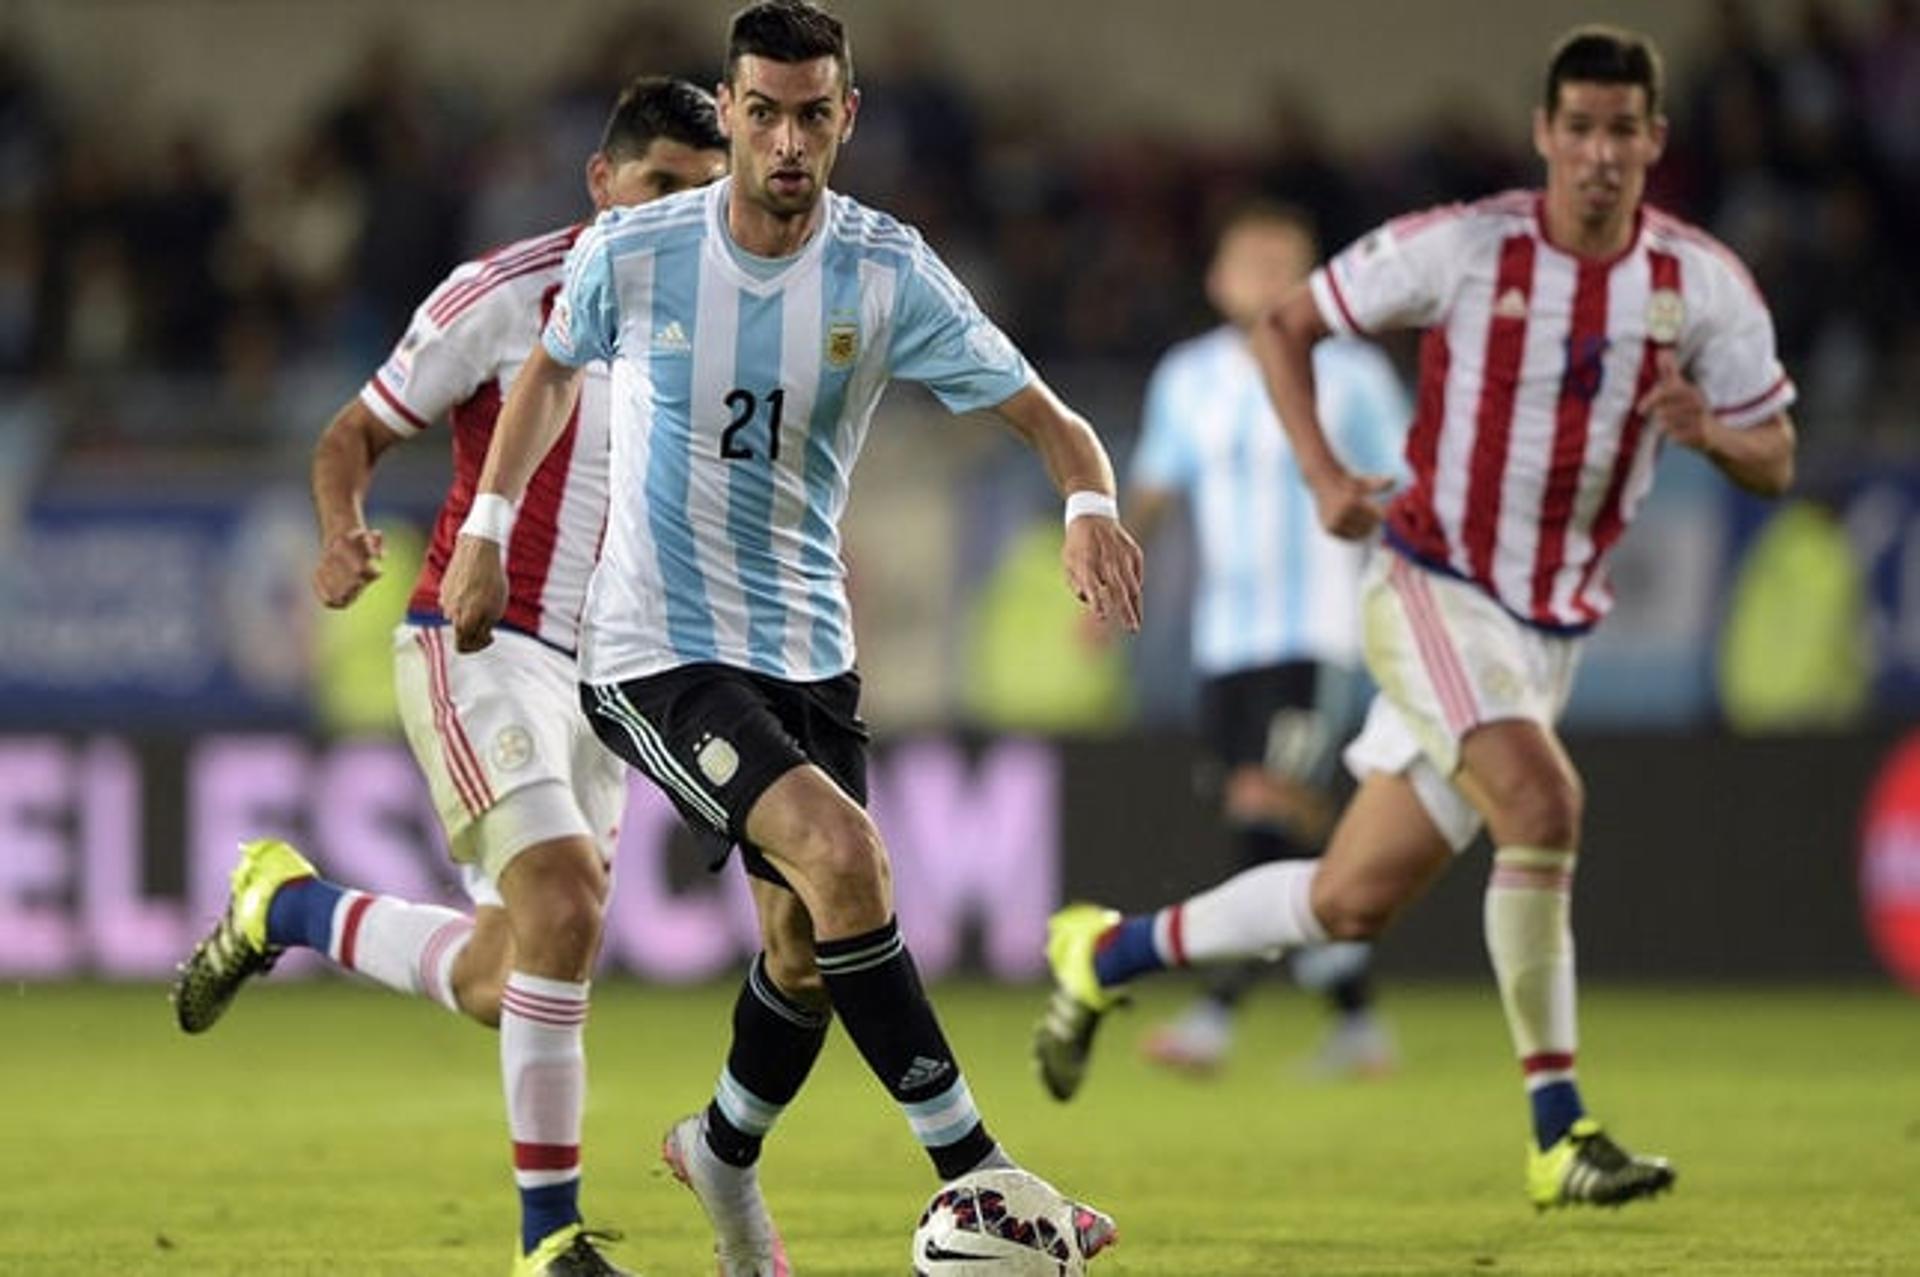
(1261, 210)
(654, 106)
(1605, 55)
(789, 31)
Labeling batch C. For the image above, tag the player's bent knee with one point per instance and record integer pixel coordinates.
(845, 849)
(1545, 813)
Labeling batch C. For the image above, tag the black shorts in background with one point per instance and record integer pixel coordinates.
(713, 738)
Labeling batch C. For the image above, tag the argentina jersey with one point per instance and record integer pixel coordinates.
(1273, 585)
(742, 391)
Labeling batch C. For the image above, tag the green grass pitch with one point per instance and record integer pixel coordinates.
(330, 1129)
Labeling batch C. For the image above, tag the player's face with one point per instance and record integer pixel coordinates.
(786, 121)
(1599, 143)
(1257, 264)
(665, 167)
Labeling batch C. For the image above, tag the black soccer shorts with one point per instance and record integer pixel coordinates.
(713, 738)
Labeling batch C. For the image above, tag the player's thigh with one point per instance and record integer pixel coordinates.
(810, 827)
(1385, 852)
(1518, 774)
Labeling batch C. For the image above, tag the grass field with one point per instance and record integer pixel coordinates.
(330, 1129)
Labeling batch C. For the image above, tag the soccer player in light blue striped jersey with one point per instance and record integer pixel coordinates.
(1276, 603)
(750, 332)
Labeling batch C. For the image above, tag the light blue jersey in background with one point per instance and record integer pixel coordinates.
(1273, 585)
(742, 392)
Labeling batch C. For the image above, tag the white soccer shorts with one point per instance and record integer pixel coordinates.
(507, 753)
(1447, 659)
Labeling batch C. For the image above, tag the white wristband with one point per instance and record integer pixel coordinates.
(1083, 503)
(490, 518)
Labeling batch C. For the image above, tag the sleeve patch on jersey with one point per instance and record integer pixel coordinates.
(990, 346)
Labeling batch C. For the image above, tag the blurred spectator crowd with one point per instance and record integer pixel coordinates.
(159, 296)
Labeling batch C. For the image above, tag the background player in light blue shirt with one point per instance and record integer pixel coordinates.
(1275, 607)
(750, 335)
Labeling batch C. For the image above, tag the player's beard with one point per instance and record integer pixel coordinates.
(798, 200)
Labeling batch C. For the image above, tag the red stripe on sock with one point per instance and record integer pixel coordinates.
(1548, 1062)
(1176, 935)
(545, 1157)
(350, 930)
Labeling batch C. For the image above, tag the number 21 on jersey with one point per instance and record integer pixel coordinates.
(745, 406)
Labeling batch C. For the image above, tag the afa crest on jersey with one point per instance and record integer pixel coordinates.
(843, 344)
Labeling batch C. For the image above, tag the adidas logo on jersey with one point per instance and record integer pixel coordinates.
(672, 338)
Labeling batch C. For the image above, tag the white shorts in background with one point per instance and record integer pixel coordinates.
(1447, 659)
(507, 753)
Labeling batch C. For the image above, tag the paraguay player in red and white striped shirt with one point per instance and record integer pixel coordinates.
(1569, 334)
(529, 799)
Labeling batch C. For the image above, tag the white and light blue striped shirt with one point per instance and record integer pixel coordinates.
(742, 392)
(1273, 586)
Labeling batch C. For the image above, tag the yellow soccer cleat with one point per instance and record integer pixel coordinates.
(1063, 1040)
(1585, 1167)
(570, 1252)
(236, 949)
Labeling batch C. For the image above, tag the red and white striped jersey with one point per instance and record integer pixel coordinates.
(1527, 456)
(457, 360)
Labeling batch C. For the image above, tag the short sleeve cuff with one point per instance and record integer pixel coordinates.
(1332, 304)
(393, 414)
(1772, 401)
(557, 346)
(987, 391)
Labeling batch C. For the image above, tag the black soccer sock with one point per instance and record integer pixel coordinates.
(1230, 983)
(1353, 994)
(876, 991)
(775, 1042)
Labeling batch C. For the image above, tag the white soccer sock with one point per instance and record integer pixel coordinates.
(1529, 929)
(1253, 913)
(543, 1065)
(407, 947)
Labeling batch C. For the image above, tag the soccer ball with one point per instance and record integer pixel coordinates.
(1000, 1223)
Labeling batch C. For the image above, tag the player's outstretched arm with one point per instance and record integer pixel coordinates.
(1102, 561)
(341, 472)
(1348, 504)
(1758, 458)
(473, 593)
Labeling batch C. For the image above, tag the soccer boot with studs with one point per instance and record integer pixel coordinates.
(573, 1251)
(1585, 1167)
(1063, 1040)
(236, 949)
(745, 1241)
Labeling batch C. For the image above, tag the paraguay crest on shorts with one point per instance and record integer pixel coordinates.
(843, 344)
(1666, 316)
(512, 748)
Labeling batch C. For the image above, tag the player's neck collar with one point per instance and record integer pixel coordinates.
(724, 247)
(1601, 259)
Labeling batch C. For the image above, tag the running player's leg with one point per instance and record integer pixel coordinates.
(1477, 693)
(780, 1022)
(1385, 851)
(555, 892)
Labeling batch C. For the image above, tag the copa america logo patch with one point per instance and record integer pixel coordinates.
(512, 748)
(1666, 316)
(718, 760)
